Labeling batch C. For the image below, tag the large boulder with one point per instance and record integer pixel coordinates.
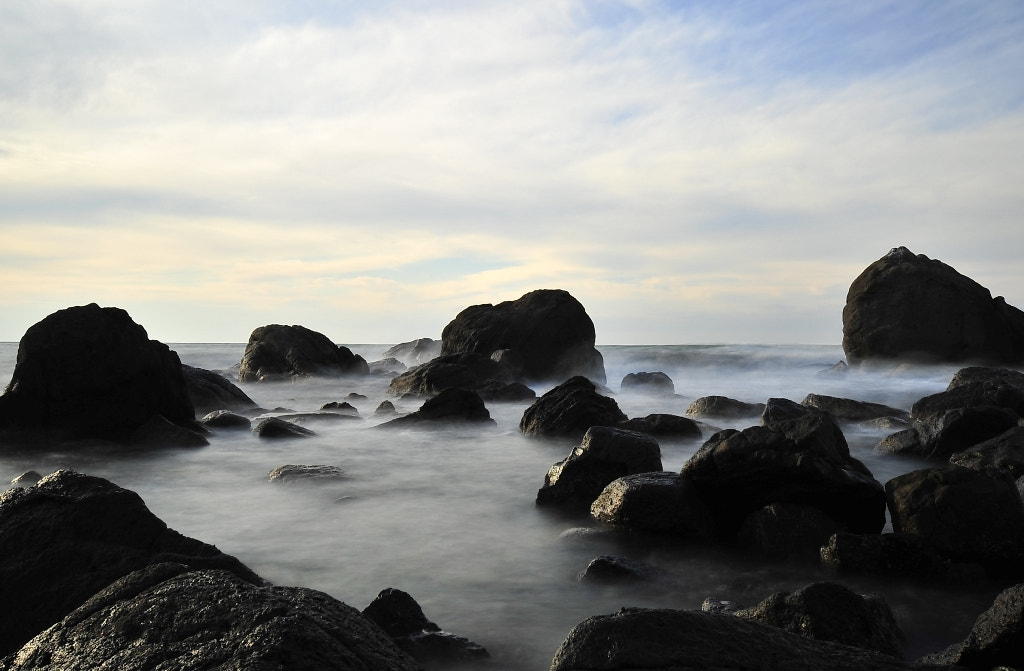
(995, 641)
(908, 307)
(71, 535)
(548, 330)
(211, 391)
(851, 410)
(465, 371)
(91, 373)
(680, 640)
(723, 407)
(451, 407)
(569, 410)
(166, 616)
(662, 502)
(899, 556)
(414, 352)
(1004, 453)
(604, 454)
(276, 352)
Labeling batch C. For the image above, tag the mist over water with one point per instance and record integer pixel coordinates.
(449, 516)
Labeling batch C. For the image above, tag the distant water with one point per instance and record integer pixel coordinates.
(449, 516)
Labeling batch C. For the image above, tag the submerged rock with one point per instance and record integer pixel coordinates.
(316, 472)
(612, 569)
(225, 419)
(277, 352)
(276, 428)
(569, 410)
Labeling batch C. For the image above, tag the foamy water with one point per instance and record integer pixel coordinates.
(449, 516)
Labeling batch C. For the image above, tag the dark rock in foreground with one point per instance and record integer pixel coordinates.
(662, 425)
(71, 535)
(166, 616)
(91, 373)
(908, 307)
(1004, 453)
(277, 352)
(995, 641)
(664, 503)
(849, 410)
(569, 410)
(548, 330)
(451, 407)
(723, 407)
(901, 556)
(678, 640)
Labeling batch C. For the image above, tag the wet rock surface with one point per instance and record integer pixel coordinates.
(279, 352)
(995, 641)
(569, 410)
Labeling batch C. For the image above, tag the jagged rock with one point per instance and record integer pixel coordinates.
(342, 408)
(615, 569)
(71, 535)
(389, 366)
(849, 410)
(384, 408)
(548, 329)
(414, 352)
(26, 479)
(294, 472)
(1005, 453)
(906, 306)
(91, 373)
(652, 383)
(723, 407)
(401, 618)
(225, 419)
(275, 427)
(211, 391)
(604, 454)
(664, 426)
(569, 410)
(283, 352)
(997, 639)
(828, 611)
(653, 502)
(166, 616)
(452, 406)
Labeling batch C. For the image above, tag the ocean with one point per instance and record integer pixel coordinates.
(449, 516)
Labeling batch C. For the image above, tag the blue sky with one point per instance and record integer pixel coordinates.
(691, 171)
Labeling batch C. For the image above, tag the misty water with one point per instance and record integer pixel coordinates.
(449, 515)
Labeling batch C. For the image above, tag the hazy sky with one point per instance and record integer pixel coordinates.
(692, 172)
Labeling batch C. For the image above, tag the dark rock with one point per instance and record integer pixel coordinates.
(343, 408)
(401, 618)
(462, 371)
(225, 419)
(849, 410)
(828, 611)
(615, 569)
(284, 352)
(275, 427)
(414, 352)
(166, 616)
(664, 503)
(799, 456)
(294, 472)
(664, 426)
(967, 515)
(995, 641)
(384, 408)
(451, 407)
(26, 479)
(389, 366)
(569, 410)
(604, 455)
(549, 329)
(91, 373)
(723, 407)
(512, 392)
(652, 383)
(972, 375)
(161, 432)
(787, 530)
(71, 535)
(895, 556)
(1004, 453)
(679, 640)
(912, 308)
(211, 391)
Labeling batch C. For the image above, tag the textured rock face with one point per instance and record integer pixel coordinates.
(211, 391)
(995, 641)
(91, 373)
(450, 407)
(71, 535)
(277, 352)
(906, 306)
(548, 330)
(569, 410)
(168, 617)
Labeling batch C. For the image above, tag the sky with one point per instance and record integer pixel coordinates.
(692, 172)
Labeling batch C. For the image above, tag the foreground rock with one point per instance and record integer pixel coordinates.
(662, 503)
(678, 640)
(166, 616)
(277, 352)
(900, 556)
(451, 407)
(850, 410)
(1003, 453)
(723, 407)
(908, 307)
(71, 535)
(547, 330)
(662, 425)
(604, 454)
(569, 410)
(91, 373)
(995, 641)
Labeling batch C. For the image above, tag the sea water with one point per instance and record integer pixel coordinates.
(449, 515)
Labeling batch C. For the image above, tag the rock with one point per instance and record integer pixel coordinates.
(679, 640)
(451, 407)
(1004, 453)
(995, 641)
(608, 569)
(389, 366)
(401, 618)
(225, 419)
(70, 536)
(897, 556)
(569, 410)
(849, 410)
(284, 352)
(651, 383)
(798, 456)
(664, 503)
(160, 432)
(548, 329)
(828, 611)
(384, 408)
(294, 472)
(722, 407)
(275, 427)
(969, 516)
(26, 479)
(512, 392)
(211, 391)
(664, 425)
(462, 371)
(604, 455)
(91, 373)
(166, 616)
(912, 308)
(787, 530)
(342, 408)
(414, 352)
